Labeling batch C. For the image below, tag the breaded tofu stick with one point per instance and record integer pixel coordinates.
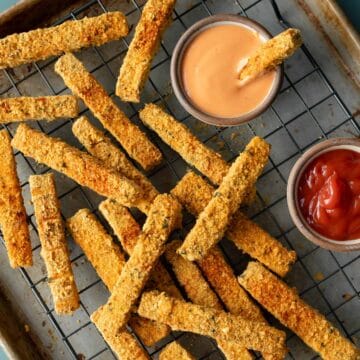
(87, 88)
(70, 36)
(155, 18)
(54, 249)
(174, 351)
(108, 261)
(194, 193)
(127, 230)
(190, 278)
(38, 108)
(306, 322)
(163, 218)
(98, 246)
(199, 292)
(180, 139)
(78, 165)
(12, 211)
(126, 347)
(184, 316)
(212, 222)
(100, 146)
(271, 54)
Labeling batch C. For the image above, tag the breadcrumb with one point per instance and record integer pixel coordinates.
(100, 146)
(70, 36)
(271, 54)
(174, 351)
(38, 108)
(80, 166)
(218, 324)
(212, 222)
(12, 211)
(86, 87)
(155, 17)
(286, 305)
(164, 216)
(194, 193)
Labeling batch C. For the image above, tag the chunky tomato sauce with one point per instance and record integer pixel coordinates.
(329, 194)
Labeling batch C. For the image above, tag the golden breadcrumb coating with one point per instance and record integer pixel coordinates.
(212, 222)
(306, 322)
(174, 351)
(108, 260)
(100, 146)
(13, 220)
(199, 292)
(78, 165)
(38, 108)
(180, 139)
(190, 278)
(194, 193)
(127, 230)
(86, 87)
(98, 246)
(155, 18)
(184, 316)
(271, 54)
(54, 249)
(70, 36)
(164, 216)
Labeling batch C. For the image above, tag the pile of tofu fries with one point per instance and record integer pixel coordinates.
(213, 301)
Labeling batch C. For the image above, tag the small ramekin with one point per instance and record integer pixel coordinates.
(292, 198)
(176, 78)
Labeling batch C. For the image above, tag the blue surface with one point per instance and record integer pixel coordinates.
(4, 4)
(2, 354)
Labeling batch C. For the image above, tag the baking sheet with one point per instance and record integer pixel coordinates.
(308, 109)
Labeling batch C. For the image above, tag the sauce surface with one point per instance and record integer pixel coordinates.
(210, 69)
(329, 194)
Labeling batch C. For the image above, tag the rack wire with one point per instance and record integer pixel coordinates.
(307, 110)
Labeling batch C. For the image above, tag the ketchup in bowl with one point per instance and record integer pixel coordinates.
(329, 194)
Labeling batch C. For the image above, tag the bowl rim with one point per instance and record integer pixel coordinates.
(175, 71)
(291, 193)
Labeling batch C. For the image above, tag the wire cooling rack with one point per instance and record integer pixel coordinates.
(307, 110)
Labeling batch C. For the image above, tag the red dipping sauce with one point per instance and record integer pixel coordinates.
(329, 194)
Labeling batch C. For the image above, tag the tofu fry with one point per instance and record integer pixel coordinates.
(190, 278)
(127, 230)
(155, 17)
(174, 351)
(78, 165)
(180, 139)
(194, 193)
(200, 293)
(12, 211)
(108, 261)
(164, 216)
(286, 305)
(271, 54)
(212, 222)
(100, 146)
(54, 249)
(38, 108)
(70, 36)
(87, 88)
(180, 315)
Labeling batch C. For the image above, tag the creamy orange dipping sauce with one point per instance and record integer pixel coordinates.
(210, 69)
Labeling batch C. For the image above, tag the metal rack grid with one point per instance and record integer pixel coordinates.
(307, 109)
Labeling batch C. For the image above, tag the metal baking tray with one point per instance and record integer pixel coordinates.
(319, 99)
